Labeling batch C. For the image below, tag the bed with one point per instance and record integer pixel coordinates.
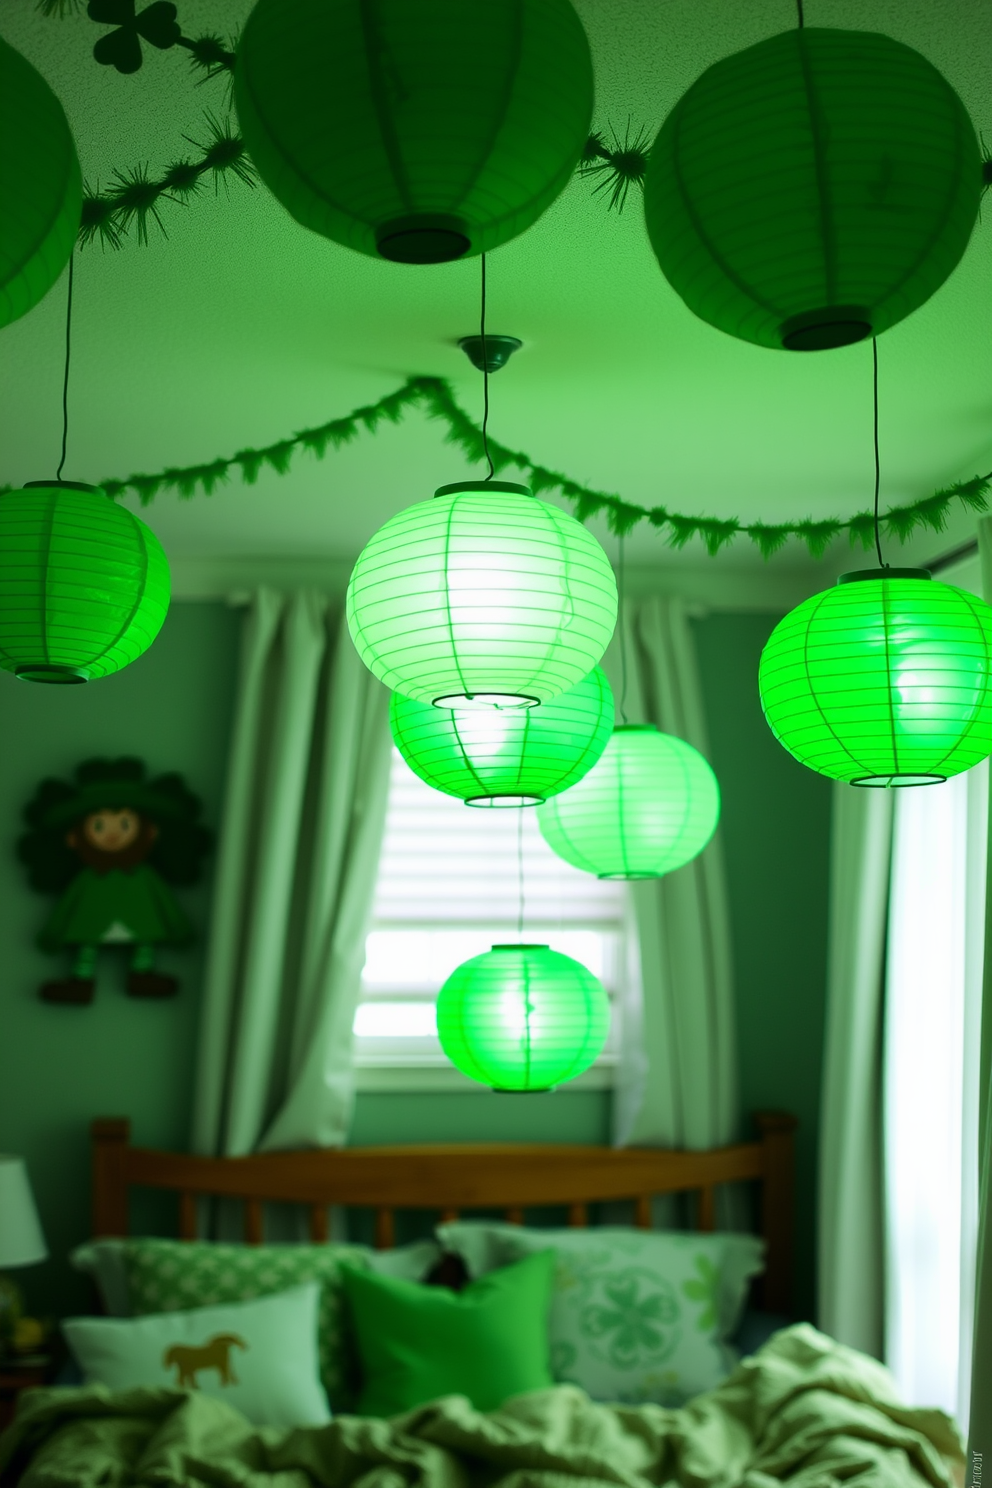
(801, 1410)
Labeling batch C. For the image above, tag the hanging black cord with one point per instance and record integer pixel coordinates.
(485, 376)
(621, 586)
(65, 379)
(878, 468)
(802, 18)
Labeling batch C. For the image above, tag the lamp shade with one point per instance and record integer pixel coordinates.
(415, 132)
(84, 585)
(506, 756)
(41, 190)
(21, 1240)
(522, 1017)
(485, 596)
(814, 189)
(884, 680)
(648, 806)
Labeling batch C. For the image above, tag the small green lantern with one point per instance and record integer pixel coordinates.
(885, 680)
(41, 190)
(483, 597)
(522, 1017)
(417, 132)
(648, 806)
(506, 757)
(814, 189)
(84, 584)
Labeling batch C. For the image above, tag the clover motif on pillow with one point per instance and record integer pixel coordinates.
(635, 1320)
(704, 1288)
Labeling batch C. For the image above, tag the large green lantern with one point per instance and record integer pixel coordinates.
(814, 189)
(522, 1017)
(41, 190)
(84, 585)
(648, 806)
(884, 680)
(485, 596)
(506, 756)
(418, 132)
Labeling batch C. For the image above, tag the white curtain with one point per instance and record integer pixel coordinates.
(851, 1264)
(298, 852)
(932, 1042)
(677, 1081)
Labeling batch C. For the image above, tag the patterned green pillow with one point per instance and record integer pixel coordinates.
(175, 1275)
(636, 1315)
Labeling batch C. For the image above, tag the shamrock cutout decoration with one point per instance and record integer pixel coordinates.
(122, 48)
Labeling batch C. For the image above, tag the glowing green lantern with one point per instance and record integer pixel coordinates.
(485, 596)
(506, 756)
(884, 680)
(41, 191)
(814, 189)
(415, 132)
(648, 806)
(84, 585)
(522, 1017)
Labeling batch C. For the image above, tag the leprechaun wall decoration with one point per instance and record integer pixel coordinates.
(110, 842)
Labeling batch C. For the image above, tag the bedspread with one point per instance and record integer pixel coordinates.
(802, 1411)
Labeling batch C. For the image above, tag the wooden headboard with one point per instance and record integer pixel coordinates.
(450, 1178)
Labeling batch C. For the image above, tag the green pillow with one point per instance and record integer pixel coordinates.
(418, 1342)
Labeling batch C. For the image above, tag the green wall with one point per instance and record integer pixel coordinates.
(61, 1066)
(776, 834)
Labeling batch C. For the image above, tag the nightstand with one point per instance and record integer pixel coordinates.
(26, 1372)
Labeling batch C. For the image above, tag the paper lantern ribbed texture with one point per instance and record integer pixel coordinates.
(84, 585)
(814, 189)
(648, 806)
(522, 1017)
(415, 132)
(506, 756)
(483, 596)
(884, 680)
(41, 190)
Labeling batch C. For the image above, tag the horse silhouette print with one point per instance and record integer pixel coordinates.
(189, 1360)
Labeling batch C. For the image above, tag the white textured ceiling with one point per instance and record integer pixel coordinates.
(240, 327)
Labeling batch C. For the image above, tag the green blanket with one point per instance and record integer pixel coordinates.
(803, 1411)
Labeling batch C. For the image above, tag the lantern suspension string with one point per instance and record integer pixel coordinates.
(485, 376)
(65, 378)
(621, 588)
(802, 18)
(874, 384)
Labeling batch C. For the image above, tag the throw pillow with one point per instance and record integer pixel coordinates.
(261, 1357)
(172, 1275)
(416, 1343)
(636, 1315)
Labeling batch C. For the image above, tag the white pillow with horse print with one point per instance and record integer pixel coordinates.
(636, 1315)
(259, 1356)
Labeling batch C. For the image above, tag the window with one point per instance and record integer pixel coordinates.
(448, 889)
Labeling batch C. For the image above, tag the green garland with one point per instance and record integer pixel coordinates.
(435, 397)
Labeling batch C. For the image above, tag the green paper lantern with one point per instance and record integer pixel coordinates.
(648, 806)
(522, 1017)
(484, 596)
(84, 585)
(814, 189)
(501, 756)
(417, 132)
(884, 680)
(41, 190)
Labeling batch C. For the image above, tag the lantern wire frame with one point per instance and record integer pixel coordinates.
(883, 681)
(522, 1018)
(492, 758)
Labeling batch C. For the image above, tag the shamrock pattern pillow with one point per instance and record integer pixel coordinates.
(636, 1315)
(176, 1275)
